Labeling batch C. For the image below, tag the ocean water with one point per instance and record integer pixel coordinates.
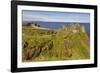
(57, 25)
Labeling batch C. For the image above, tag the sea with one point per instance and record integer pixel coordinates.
(57, 25)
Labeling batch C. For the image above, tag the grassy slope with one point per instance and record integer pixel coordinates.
(62, 45)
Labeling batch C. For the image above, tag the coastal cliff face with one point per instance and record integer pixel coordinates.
(67, 43)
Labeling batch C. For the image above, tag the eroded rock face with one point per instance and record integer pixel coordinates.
(36, 51)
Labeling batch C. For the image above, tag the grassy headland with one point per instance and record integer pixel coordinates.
(43, 44)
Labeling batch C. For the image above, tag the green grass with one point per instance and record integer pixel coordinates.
(50, 45)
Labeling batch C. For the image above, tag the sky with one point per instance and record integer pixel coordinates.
(50, 16)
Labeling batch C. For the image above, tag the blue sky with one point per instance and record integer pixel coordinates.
(48, 16)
